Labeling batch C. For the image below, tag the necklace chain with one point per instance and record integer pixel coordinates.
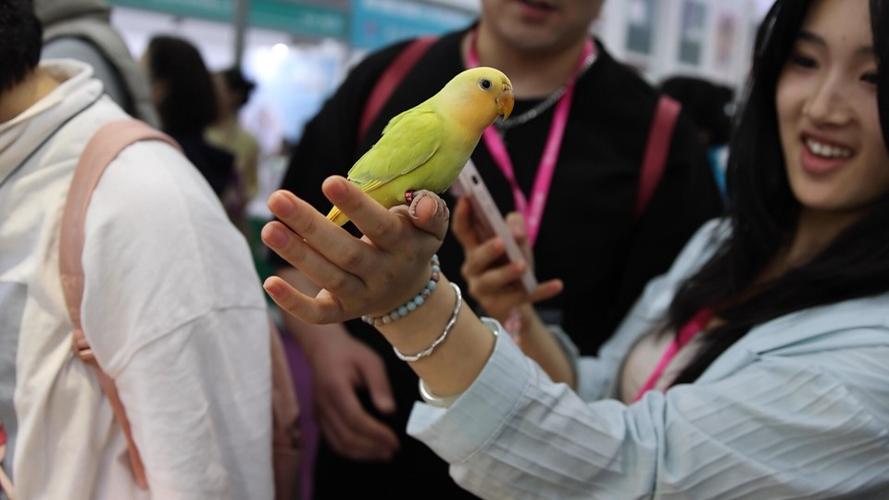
(533, 112)
(515, 121)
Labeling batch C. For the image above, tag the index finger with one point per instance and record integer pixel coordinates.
(462, 225)
(371, 218)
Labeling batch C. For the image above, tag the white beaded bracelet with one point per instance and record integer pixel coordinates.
(458, 303)
(412, 304)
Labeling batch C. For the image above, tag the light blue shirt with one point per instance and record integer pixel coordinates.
(798, 408)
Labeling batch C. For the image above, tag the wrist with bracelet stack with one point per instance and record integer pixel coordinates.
(412, 305)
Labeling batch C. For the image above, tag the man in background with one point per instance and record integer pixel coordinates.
(81, 30)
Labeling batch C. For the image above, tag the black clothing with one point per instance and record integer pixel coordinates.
(216, 165)
(588, 237)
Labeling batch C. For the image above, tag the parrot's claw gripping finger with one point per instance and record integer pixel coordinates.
(440, 209)
(409, 196)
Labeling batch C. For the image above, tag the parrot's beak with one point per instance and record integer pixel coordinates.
(505, 101)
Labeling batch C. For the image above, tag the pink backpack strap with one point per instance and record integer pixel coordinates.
(390, 79)
(657, 150)
(101, 150)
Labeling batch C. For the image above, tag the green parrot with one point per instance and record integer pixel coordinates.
(426, 146)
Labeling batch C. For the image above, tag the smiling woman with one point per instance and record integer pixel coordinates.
(808, 208)
(827, 108)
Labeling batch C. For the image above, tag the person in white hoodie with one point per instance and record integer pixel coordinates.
(172, 305)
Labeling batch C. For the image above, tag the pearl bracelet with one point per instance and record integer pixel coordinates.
(458, 304)
(412, 304)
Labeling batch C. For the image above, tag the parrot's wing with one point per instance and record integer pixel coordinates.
(395, 119)
(409, 140)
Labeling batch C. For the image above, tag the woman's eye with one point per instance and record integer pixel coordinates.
(802, 60)
(870, 77)
(484, 83)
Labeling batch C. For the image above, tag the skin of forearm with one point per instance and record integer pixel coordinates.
(539, 344)
(457, 362)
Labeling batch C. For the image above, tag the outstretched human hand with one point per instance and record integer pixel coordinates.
(371, 275)
(344, 366)
(492, 281)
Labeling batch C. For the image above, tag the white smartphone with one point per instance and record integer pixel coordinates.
(469, 184)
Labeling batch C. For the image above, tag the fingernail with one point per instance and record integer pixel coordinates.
(275, 236)
(281, 205)
(272, 287)
(386, 405)
(418, 197)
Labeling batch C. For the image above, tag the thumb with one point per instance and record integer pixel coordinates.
(377, 384)
(430, 213)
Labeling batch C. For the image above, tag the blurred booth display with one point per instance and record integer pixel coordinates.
(726, 38)
(293, 81)
(377, 23)
(289, 16)
(692, 33)
(641, 26)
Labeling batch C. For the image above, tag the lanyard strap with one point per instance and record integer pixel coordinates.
(533, 210)
(687, 333)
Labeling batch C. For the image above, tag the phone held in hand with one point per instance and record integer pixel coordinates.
(469, 184)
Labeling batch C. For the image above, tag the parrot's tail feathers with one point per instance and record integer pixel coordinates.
(337, 217)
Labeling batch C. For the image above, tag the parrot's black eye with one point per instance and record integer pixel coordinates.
(484, 83)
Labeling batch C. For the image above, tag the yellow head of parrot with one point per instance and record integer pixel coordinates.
(484, 93)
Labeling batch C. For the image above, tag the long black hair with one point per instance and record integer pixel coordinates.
(763, 212)
(188, 103)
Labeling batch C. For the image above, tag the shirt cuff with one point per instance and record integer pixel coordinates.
(476, 417)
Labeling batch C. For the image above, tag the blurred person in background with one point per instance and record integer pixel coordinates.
(185, 98)
(710, 106)
(81, 30)
(755, 368)
(232, 92)
(172, 307)
(363, 393)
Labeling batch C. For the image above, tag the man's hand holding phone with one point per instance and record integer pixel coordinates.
(498, 264)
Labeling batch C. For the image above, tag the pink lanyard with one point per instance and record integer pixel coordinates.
(533, 211)
(687, 333)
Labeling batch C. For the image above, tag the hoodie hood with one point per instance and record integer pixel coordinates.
(52, 11)
(23, 134)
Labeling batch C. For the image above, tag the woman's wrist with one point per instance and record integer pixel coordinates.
(530, 320)
(455, 363)
(410, 305)
(416, 331)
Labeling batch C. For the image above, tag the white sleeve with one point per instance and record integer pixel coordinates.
(783, 427)
(174, 312)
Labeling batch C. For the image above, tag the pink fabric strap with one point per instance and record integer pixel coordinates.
(687, 333)
(101, 150)
(532, 209)
(656, 151)
(390, 79)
